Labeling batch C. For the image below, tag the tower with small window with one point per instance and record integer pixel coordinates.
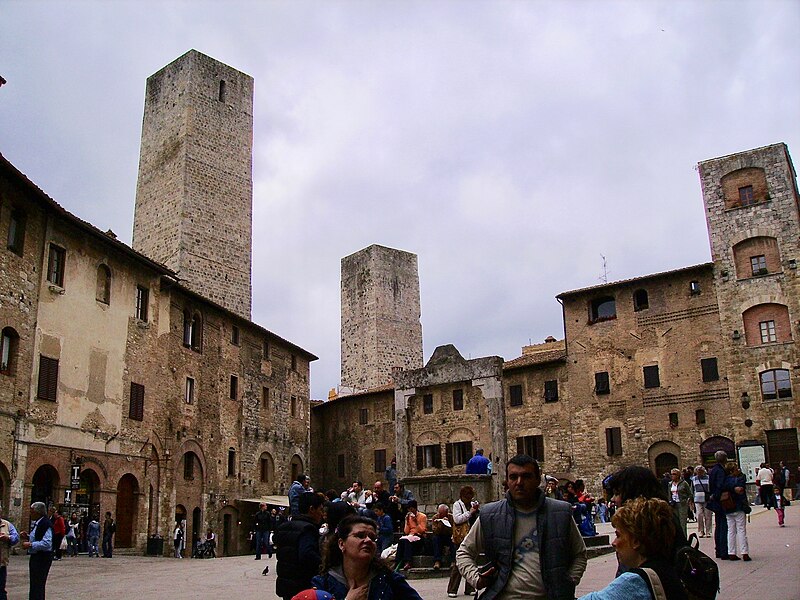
(751, 202)
(195, 190)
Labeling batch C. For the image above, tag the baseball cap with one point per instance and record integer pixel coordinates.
(313, 594)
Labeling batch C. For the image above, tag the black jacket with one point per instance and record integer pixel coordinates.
(299, 559)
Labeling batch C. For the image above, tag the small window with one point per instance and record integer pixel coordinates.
(189, 395)
(231, 462)
(234, 335)
(532, 445)
(601, 384)
(142, 300)
(614, 441)
(103, 291)
(775, 384)
(265, 348)
(427, 404)
(188, 466)
(265, 398)
(458, 399)
(55, 265)
(16, 232)
(700, 417)
(673, 420)
(768, 334)
(457, 453)
(709, 368)
(640, 300)
(429, 457)
(363, 416)
(340, 466)
(380, 461)
(603, 309)
(551, 391)
(136, 408)
(264, 469)
(293, 406)
(48, 378)
(294, 363)
(651, 378)
(746, 196)
(192, 330)
(9, 344)
(758, 264)
(223, 90)
(234, 388)
(515, 395)
(694, 288)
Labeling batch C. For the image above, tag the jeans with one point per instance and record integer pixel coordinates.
(440, 542)
(767, 493)
(262, 539)
(92, 543)
(737, 532)
(3, 575)
(720, 533)
(108, 547)
(703, 518)
(72, 546)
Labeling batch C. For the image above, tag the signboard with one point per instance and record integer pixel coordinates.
(75, 477)
(67, 496)
(750, 459)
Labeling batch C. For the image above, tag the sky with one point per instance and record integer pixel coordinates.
(520, 149)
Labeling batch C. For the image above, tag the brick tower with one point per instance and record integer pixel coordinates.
(194, 198)
(751, 202)
(381, 330)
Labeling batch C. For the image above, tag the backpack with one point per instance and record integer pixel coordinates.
(697, 571)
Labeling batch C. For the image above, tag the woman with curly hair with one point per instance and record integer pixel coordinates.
(351, 569)
(645, 533)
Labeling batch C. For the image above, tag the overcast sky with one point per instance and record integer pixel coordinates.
(508, 144)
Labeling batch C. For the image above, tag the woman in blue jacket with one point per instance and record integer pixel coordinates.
(736, 508)
(351, 569)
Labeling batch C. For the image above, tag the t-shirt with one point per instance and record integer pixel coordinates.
(525, 579)
(765, 476)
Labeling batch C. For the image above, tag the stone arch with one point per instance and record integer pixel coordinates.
(461, 434)
(752, 247)
(768, 320)
(773, 364)
(44, 485)
(295, 466)
(427, 438)
(663, 455)
(759, 299)
(714, 443)
(266, 469)
(88, 494)
(193, 446)
(746, 176)
(127, 510)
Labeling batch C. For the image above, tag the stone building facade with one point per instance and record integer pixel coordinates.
(381, 328)
(123, 389)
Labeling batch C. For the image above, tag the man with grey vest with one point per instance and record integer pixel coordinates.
(533, 548)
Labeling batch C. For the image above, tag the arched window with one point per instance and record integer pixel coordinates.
(603, 309)
(756, 256)
(103, 293)
(640, 300)
(775, 384)
(9, 343)
(266, 468)
(767, 324)
(745, 187)
(192, 330)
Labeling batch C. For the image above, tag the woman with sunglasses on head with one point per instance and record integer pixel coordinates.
(352, 571)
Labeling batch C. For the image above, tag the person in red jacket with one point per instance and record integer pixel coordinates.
(59, 531)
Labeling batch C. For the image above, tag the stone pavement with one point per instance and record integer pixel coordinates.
(774, 572)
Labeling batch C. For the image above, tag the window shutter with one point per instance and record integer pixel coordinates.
(48, 378)
(538, 447)
(136, 409)
(437, 456)
(609, 443)
(520, 445)
(420, 458)
(448, 449)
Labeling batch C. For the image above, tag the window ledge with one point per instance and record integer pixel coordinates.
(602, 320)
(142, 324)
(763, 202)
(771, 344)
(56, 289)
(761, 276)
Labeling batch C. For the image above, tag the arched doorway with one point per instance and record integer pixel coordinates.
(296, 467)
(197, 526)
(665, 462)
(180, 519)
(87, 496)
(127, 510)
(663, 456)
(45, 485)
(712, 445)
(232, 537)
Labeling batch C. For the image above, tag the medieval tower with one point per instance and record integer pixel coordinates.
(751, 203)
(194, 196)
(381, 329)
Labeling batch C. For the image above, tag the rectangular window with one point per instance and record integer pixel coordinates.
(16, 232)
(651, 379)
(458, 453)
(136, 408)
(427, 404)
(673, 420)
(142, 300)
(758, 264)
(614, 441)
(601, 385)
(694, 288)
(551, 391)
(709, 368)
(265, 397)
(768, 332)
(700, 417)
(429, 457)
(188, 466)
(293, 406)
(746, 196)
(264, 469)
(363, 416)
(231, 462)
(234, 335)
(515, 395)
(458, 399)
(234, 389)
(189, 396)
(532, 445)
(55, 265)
(340, 466)
(48, 378)
(8, 351)
(380, 461)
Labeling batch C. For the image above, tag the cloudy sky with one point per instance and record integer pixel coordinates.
(510, 145)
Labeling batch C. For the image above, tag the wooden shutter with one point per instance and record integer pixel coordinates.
(520, 445)
(538, 447)
(48, 378)
(420, 458)
(448, 450)
(437, 456)
(136, 410)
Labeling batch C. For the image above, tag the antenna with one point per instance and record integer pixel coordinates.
(604, 276)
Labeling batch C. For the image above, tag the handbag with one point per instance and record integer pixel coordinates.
(726, 501)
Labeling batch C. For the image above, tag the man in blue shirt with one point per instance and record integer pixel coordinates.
(8, 538)
(478, 464)
(39, 544)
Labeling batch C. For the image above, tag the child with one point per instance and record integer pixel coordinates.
(385, 527)
(778, 503)
(602, 510)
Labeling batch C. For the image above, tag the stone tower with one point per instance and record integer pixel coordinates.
(751, 203)
(381, 329)
(194, 198)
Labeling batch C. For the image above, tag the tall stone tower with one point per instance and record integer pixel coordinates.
(751, 202)
(381, 329)
(194, 198)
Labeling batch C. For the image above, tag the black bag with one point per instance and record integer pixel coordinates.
(697, 571)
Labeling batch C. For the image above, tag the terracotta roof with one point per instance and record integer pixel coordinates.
(536, 358)
(700, 267)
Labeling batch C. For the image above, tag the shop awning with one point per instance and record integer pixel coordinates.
(271, 500)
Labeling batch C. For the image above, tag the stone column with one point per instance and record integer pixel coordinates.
(403, 443)
(492, 390)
